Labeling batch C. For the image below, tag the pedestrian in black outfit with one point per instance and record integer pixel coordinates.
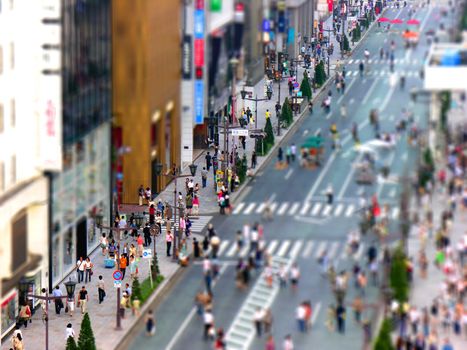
(340, 318)
(208, 161)
(253, 160)
(147, 235)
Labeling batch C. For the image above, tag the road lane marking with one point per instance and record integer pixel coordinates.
(352, 100)
(305, 208)
(260, 209)
(348, 178)
(392, 193)
(272, 246)
(349, 210)
(282, 209)
(294, 208)
(391, 160)
(320, 177)
(231, 251)
(316, 209)
(347, 88)
(295, 249)
(224, 245)
(238, 208)
(250, 208)
(329, 115)
(317, 132)
(360, 251)
(320, 249)
(283, 248)
(395, 213)
(369, 91)
(289, 174)
(316, 310)
(327, 210)
(305, 132)
(307, 251)
(387, 98)
(333, 249)
(339, 209)
(273, 207)
(243, 253)
(190, 315)
(350, 62)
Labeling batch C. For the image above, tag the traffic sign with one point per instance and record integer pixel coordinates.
(117, 275)
(239, 132)
(118, 284)
(147, 254)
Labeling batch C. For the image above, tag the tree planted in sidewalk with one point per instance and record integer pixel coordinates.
(71, 344)
(345, 44)
(398, 277)
(261, 146)
(86, 340)
(286, 114)
(136, 290)
(305, 87)
(242, 167)
(269, 139)
(155, 271)
(384, 341)
(356, 33)
(320, 74)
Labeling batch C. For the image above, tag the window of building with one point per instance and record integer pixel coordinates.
(19, 241)
(68, 249)
(13, 113)
(1, 118)
(13, 170)
(2, 177)
(1, 59)
(55, 257)
(12, 55)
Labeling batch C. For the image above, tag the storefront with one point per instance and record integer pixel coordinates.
(80, 201)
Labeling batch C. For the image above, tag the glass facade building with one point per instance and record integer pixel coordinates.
(81, 192)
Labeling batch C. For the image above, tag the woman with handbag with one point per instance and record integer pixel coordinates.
(25, 314)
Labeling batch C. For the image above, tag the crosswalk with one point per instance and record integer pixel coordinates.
(293, 249)
(305, 209)
(397, 61)
(198, 224)
(383, 73)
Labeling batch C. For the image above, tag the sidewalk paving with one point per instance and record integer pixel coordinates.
(103, 317)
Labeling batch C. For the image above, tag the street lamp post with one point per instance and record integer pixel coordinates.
(278, 78)
(70, 288)
(174, 176)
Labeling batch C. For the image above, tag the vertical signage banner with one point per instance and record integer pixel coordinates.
(199, 101)
(186, 57)
(199, 24)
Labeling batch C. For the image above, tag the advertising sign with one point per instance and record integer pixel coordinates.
(199, 52)
(199, 24)
(186, 57)
(199, 101)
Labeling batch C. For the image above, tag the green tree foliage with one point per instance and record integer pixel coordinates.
(86, 340)
(286, 114)
(305, 87)
(242, 167)
(269, 139)
(261, 147)
(398, 276)
(136, 290)
(356, 33)
(346, 45)
(445, 98)
(320, 74)
(71, 344)
(384, 341)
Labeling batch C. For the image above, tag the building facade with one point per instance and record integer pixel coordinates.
(80, 194)
(29, 149)
(146, 93)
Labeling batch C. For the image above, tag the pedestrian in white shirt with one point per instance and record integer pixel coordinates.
(258, 317)
(208, 319)
(288, 343)
(300, 316)
(69, 331)
(294, 276)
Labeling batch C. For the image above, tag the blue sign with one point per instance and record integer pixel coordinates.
(117, 275)
(291, 36)
(199, 24)
(199, 101)
(266, 25)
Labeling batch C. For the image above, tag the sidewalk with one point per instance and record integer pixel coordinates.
(103, 317)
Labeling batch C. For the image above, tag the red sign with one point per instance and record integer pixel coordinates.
(330, 3)
(199, 52)
(199, 5)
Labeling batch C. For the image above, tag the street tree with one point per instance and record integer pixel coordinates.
(320, 74)
(305, 87)
(345, 44)
(242, 167)
(286, 114)
(269, 139)
(136, 290)
(155, 271)
(71, 344)
(398, 276)
(384, 341)
(86, 340)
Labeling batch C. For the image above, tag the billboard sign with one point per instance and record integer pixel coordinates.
(199, 101)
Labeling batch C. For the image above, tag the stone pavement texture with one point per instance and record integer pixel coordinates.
(103, 316)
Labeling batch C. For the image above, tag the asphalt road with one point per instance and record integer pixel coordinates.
(303, 224)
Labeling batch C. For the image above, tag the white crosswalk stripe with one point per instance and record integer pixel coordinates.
(273, 207)
(350, 62)
(355, 73)
(224, 245)
(250, 208)
(316, 208)
(294, 208)
(197, 224)
(231, 251)
(272, 246)
(333, 250)
(283, 248)
(308, 248)
(296, 249)
(395, 213)
(283, 208)
(327, 210)
(244, 251)
(305, 208)
(238, 208)
(320, 249)
(260, 208)
(349, 210)
(360, 251)
(339, 209)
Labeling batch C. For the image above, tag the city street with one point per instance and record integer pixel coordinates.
(304, 225)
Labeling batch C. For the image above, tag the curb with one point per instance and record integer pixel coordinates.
(152, 303)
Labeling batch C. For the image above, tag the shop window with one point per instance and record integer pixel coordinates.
(9, 307)
(19, 239)
(91, 232)
(168, 139)
(68, 249)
